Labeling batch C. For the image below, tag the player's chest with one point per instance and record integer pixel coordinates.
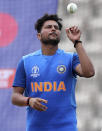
(48, 68)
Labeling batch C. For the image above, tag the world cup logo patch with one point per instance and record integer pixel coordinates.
(35, 71)
(61, 69)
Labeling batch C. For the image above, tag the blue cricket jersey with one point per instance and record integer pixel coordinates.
(52, 78)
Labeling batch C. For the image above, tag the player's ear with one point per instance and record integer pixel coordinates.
(39, 36)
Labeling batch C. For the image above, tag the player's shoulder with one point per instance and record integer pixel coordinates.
(36, 53)
(66, 53)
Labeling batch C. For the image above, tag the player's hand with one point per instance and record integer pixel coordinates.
(73, 33)
(35, 103)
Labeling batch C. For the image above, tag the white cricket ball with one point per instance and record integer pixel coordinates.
(72, 8)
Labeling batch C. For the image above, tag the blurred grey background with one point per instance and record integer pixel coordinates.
(89, 91)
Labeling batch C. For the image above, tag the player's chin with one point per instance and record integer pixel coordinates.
(54, 41)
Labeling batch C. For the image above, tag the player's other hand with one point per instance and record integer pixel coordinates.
(35, 103)
(73, 33)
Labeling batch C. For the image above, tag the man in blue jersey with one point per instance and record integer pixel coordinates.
(47, 78)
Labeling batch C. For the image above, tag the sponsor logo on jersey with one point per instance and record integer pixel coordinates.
(61, 69)
(48, 86)
(35, 71)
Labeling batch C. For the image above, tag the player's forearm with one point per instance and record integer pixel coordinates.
(19, 99)
(86, 64)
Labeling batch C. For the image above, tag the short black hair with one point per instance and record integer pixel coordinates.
(46, 17)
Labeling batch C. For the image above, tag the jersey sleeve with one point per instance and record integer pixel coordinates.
(20, 76)
(75, 61)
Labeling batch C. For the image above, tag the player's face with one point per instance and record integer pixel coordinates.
(50, 33)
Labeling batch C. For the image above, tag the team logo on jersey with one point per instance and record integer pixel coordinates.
(61, 69)
(35, 71)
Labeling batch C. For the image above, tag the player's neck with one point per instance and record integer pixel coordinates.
(49, 49)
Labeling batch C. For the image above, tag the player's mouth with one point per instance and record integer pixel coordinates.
(53, 34)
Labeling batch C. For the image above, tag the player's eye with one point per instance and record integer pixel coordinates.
(56, 27)
(49, 26)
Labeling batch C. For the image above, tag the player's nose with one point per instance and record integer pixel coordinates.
(53, 28)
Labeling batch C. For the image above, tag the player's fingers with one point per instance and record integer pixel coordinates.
(42, 100)
(37, 107)
(76, 29)
(43, 107)
(71, 28)
(67, 30)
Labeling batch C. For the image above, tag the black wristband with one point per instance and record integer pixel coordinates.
(76, 42)
(28, 101)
